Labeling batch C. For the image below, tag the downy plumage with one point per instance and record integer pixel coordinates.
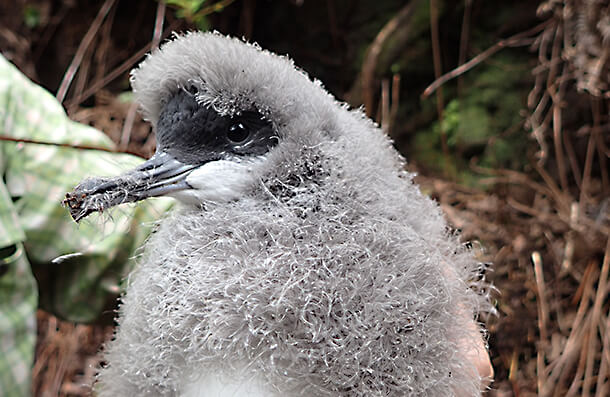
(303, 260)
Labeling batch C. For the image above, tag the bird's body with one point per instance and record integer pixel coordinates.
(305, 261)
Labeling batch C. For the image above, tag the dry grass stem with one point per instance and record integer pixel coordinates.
(82, 48)
(600, 298)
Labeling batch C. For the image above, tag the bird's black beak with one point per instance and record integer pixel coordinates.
(162, 174)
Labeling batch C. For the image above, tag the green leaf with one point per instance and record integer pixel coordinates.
(31, 16)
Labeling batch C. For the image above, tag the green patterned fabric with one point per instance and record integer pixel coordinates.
(35, 229)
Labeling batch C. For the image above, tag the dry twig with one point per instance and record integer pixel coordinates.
(517, 40)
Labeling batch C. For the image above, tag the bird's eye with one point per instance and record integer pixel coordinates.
(238, 133)
(192, 88)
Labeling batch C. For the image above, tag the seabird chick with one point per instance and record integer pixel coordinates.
(304, 261)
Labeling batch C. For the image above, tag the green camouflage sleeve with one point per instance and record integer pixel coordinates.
(79, 268)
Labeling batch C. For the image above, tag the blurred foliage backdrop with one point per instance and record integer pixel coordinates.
(501, 106)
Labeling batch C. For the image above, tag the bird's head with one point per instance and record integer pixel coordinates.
(225, 113)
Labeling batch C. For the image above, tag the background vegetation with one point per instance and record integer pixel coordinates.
(502, 107)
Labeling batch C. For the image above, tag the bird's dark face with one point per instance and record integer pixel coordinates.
(201, 156)
(195, 134)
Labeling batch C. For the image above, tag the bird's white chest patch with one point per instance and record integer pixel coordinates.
(219, 181)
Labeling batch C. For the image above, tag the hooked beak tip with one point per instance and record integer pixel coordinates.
(86, 198)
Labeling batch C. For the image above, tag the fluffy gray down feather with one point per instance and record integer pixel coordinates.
(332, 275)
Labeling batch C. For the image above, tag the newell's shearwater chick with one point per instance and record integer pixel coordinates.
(304, 261)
